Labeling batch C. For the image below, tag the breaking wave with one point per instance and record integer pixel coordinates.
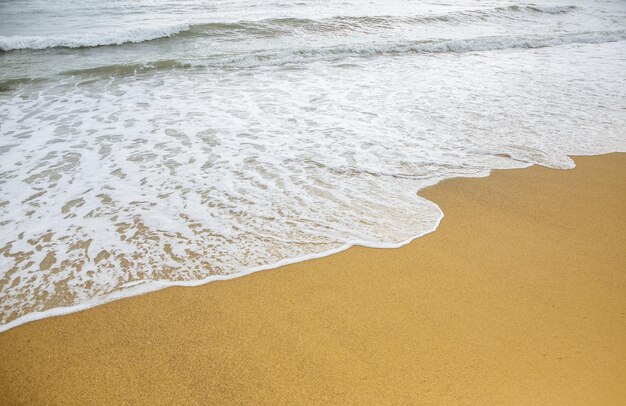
(267, 27)
(133, 35)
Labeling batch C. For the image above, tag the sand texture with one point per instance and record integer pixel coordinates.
(518, 298)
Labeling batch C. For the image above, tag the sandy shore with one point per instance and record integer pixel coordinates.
(518, 298)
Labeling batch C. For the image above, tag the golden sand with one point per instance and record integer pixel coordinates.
(518, 298)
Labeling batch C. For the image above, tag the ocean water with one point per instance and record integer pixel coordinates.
(145, 144)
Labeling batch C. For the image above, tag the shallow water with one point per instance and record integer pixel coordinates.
(150, 143)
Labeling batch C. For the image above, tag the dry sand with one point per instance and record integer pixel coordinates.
(518, 298)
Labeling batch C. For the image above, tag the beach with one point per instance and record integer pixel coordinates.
(337, 202)
(519, 297)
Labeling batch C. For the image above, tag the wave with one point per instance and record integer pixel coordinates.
(129, 69)
(498, 43)
(346, 23)
(267, 27)
(12, 84)
(479, 44)
(133, 35)
(304, 55)
(551, 9)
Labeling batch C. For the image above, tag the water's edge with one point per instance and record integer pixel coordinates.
(152, 286)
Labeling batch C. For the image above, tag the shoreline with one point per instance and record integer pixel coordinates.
(119, 311)
(138, 288)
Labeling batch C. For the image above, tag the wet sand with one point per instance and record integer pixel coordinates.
(518, 298)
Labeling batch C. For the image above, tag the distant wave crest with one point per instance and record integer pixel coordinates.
(93, 39)
(267, 27)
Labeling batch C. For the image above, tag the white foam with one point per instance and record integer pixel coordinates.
(142, 287)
